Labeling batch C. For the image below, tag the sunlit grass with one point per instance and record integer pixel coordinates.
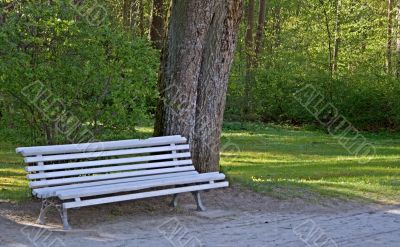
(283, 162)
(288, 162)
(13, 184)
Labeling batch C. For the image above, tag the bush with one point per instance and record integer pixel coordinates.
(67, 80)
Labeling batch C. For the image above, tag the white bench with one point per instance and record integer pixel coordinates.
(79, 175)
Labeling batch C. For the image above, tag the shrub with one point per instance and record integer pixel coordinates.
(63, 78)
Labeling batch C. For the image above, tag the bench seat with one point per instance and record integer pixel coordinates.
(80, 175)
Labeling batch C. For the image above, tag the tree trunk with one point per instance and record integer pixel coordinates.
(337, 38)
(212, 88)
(277, 26)
(260, 27)
(250, 58)
(194, 73)
(126, 11)
(398, 40)
(141, 20)
(249, 33)
(157, 24)
(2, 18)
(2, 13)
(133, 15)
(389, 37)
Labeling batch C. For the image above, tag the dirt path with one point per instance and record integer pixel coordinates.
(235, 217)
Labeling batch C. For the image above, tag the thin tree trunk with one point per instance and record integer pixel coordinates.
(157, 24)
(260, 27)
(2, 18)
(337, 38)
(389, 37)
(141, 16)
(126, 11)
(249, 31)
(277, 26)
(3, 10)
(329, 33)
(194, 73)
(250, 57)
(133, 15)
(398, 40)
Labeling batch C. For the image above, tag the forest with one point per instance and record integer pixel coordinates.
(94, 65)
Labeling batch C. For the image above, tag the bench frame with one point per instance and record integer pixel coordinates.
(65, 192)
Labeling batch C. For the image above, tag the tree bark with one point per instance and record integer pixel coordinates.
(2, 13)
(277, 26)
(249, 33)
(157, 24)
(337, 38)
(2, 18)
(194, 72)
(398, 40)
(260, 27)
(133, 15)
(250, 58)
(329, 33)
(126, 11)
(212, 88)
(141, 20)
(389, 37)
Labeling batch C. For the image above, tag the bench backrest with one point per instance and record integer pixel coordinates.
(76, 163)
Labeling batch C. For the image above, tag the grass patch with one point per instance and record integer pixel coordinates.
(13, 184)
(293, 162)
(279, 161)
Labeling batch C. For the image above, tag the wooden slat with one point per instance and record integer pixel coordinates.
(93, 155)
(141, 195)
(100, 146)
(50, 191)
(52, 182)
(85, 164)
(108, 169)
(132, 186)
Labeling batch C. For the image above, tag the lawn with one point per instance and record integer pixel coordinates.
(283, 162)
(290, 162)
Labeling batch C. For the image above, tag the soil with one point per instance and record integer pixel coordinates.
(234, 217)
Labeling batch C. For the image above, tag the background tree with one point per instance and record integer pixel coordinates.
(260, 28)
(398, 39)
(157, 23)
(250, 57)
(337, 38)
(389, 36)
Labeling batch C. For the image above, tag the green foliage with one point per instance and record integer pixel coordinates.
(59, 75)
(298, 50)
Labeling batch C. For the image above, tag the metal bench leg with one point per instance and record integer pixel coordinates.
(45, 207)
(200, 206)
(64, 216)
(174, 202)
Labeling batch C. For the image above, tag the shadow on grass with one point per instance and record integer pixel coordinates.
(296, 163)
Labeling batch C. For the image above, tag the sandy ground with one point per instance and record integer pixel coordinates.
(234, 217)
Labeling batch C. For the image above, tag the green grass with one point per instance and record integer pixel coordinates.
(283, 162)
(13, 184)
(288, 162)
